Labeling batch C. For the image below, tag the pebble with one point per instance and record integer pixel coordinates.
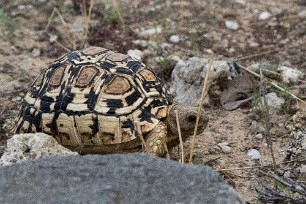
(254, 154)
(289, 74)
(257, 128)
(258, 136)
(52, 38)
(17, 98)
(264, 15)
(151, 31)
(302, 14)
(36, 52)
(232, 24)
(241, 2)
(224, 147)
(142, 43)
(174, 39)
(138, 54)
(274, 101)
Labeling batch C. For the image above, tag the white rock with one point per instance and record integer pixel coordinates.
(232, 24)
(241, 2)
(274, 101)
(302, 13)
(258, 136)
(174, 38)
(22, 147)
(224, 147)
(289, 74)
(187, 78)
(165, 45)
(142, 43)
(36, 52)
(53, 38)
(135, 53)
(254, 154)
(264, 15)
(151, 31)
(257, 128)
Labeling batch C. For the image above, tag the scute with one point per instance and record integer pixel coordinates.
(94, 97)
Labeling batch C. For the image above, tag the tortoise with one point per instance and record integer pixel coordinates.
(98, 101)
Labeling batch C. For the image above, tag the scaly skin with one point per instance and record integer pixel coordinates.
(156, 141)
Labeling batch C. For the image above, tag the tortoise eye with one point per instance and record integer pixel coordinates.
(192, 118)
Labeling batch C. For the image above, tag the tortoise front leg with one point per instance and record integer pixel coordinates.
(156, 141)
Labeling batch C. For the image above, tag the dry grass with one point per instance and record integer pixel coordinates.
(180, 136)
(199, 110)
(87, 17)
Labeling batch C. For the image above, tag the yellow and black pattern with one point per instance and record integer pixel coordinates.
(94, 96)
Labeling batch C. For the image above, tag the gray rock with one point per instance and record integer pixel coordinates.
(23, 147)
(290, 75)
(129, 178)
(188, 76)
(273, 101)
(257, 128)
(297, 154)
(138, 54)
(254, 154)
(232, 24)
(264, 15)
(174, 38)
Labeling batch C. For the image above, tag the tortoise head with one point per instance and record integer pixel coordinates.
(187, 119)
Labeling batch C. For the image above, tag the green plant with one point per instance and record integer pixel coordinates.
(257, 102)
(193, 37)
(114, 14)
(164, 63)
(7, 25)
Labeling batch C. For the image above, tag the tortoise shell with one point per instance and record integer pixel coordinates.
(94, 96)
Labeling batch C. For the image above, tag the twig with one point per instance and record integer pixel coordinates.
(140, 135)
(280, 195)
(66, 35)
(258, 167)
(256, 55)
(273, 83)
(180, 136)
(55, 11)
(87, 19)
(267, 119)
(198, 111)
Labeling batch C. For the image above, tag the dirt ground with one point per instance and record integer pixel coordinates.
(228, 30)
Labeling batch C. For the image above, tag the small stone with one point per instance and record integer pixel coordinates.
(224, 147)
(264, 15)
(151, 31)
(36, 52)
(135, 53)
(174, 39)
(302, 13)
(175, 58)
(16, 99)
(232, 24)
(254, 154)
(21, 7)
(258, 136)
(257, 128)
(142, 43)
(274, 101)
(290, 75)
(53, 38)
(241, 2)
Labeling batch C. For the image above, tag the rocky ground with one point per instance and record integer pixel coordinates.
(260, 33)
